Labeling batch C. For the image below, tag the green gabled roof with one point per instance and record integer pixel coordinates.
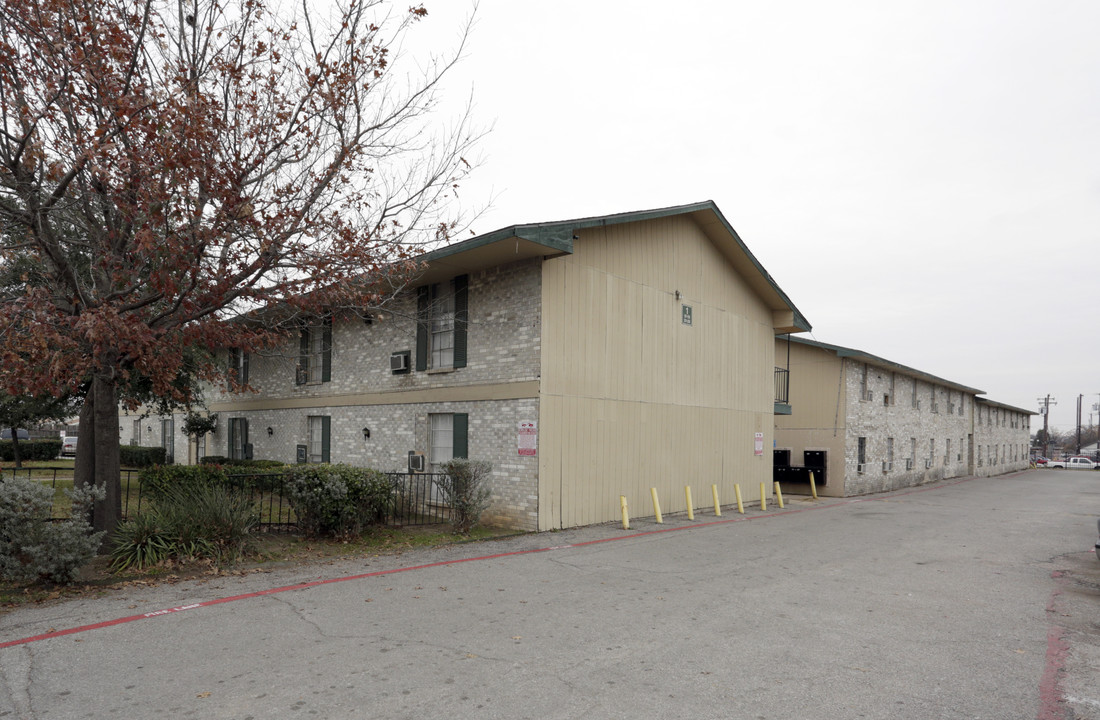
(557, 237)
(875, 360)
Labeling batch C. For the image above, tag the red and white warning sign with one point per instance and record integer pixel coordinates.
(528, 440)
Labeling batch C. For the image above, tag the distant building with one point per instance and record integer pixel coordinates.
(867, 424)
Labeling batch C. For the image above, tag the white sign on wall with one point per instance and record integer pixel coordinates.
(528, 438)
(758, 447)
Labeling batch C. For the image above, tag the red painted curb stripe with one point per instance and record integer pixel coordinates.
(346, 578)
(1051, 698)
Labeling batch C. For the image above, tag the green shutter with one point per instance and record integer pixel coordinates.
(326, 348)
(423, 303)
(461, 433)
(462, 283)
(326, 438)
(301, 376)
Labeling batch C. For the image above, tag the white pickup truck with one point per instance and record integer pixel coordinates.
(1073, 463)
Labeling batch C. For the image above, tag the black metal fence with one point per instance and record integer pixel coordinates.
(416, 496)
(782, 385)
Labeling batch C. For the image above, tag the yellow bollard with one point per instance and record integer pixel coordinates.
(737, 492)
(763, 500)
(656, 505)
(687, 494)
(717, 506)
(779, 494)
(626, 515)
(813, 486)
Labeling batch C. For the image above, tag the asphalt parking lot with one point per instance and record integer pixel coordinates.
(973, 599)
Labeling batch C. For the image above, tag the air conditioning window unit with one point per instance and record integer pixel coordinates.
(399, 362)
(416, 462)
(908, 463)
(861, 468)
(928, 463)
(887, 466)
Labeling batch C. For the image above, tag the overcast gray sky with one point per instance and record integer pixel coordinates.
(921, 178)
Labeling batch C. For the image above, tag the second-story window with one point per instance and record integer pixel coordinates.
(315, 353)
(238, 368)
(442, 311)
(442, 326)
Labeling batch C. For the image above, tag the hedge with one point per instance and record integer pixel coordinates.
(31, 450)
(134, 456)
(255, 464)
(338, 500)
(157, 479)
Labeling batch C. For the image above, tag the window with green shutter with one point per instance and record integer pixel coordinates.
(441, 327)
(315, 353)
(238, 438)
(449, 437)
(320, 438)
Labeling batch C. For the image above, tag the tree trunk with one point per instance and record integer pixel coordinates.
(84, 461)
(15, 448)
(97, 456)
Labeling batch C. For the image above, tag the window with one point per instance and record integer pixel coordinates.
(947, 452)
(315, 353)
(916, 402)
(912, 454)
(442, 319)
(167, 440)
(135, 438)
(864, 394)
(320, 431)
(442, 328)
(238, 439)
(934, 408)
(238, 368)
(448, 438)
(931, 450)
(889, 455)
(861, 454)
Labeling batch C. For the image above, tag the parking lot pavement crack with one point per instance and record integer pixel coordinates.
(15, 680)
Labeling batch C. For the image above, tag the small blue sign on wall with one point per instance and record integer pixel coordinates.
(685, 314)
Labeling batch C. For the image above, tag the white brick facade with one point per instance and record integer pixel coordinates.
(895, 427)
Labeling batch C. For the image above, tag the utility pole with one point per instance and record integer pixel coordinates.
(1044, 408)
(1080, 399)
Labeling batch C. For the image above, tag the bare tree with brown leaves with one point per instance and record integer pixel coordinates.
(166, 165)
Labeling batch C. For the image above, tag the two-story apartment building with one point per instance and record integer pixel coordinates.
(868, 424)
(585, 359)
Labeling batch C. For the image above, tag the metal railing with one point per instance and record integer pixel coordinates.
(416, 496)
(782, 385)
(61, 479)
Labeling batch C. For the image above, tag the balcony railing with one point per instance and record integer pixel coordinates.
(782, 385)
